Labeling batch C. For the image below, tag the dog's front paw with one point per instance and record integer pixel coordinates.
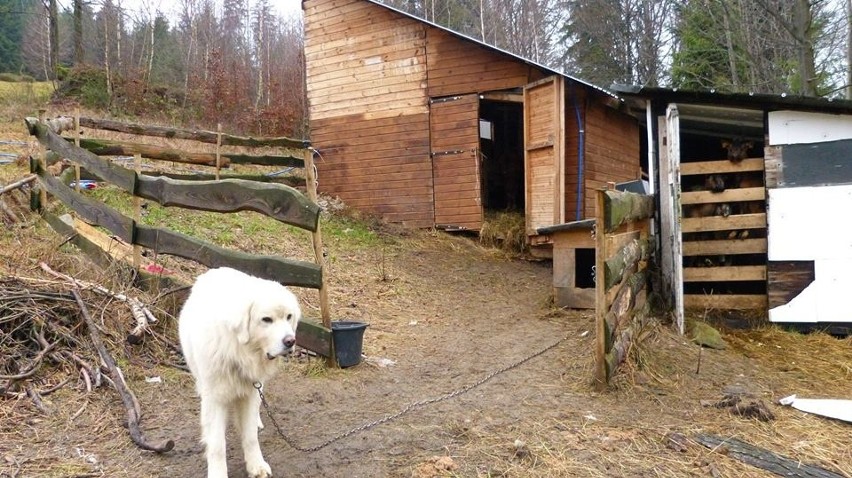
(259, 469)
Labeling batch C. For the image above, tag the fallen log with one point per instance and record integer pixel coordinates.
(118, 381)
(763, 459)
(17, 184)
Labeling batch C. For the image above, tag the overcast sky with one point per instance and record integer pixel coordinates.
(170, 7)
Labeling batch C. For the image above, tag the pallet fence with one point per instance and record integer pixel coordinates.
(622, 251)
(199, 192)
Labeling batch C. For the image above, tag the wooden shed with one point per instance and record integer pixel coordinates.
(430, 128)
(752, 192)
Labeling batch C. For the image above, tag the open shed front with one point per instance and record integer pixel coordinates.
(750, 186)
(712, 207)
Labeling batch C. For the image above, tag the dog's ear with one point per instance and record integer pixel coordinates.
(242, 325)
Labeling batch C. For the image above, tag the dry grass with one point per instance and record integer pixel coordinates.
(505, 230)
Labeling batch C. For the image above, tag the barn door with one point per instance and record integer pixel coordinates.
(454, 130)
(670, 236)
(543, 157)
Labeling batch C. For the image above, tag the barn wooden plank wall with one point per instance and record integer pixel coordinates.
(611, 153)
(373, 75)
(374, 142)
(622, 250)
(457, 67)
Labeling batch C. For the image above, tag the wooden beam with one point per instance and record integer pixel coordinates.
(724, 274)
(195, 135)
(285, 271)
(91, 210)
(719, 167)
(733, 246)
(102, 147)
(314, 337)
(623, 207)
(506, 97)
(724, 301)
(602, 332)
(722, 223)
(278, 201)
(728, 195)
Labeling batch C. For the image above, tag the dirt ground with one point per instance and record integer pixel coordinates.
(444, 313)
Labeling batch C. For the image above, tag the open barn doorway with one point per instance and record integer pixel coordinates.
(502, 146)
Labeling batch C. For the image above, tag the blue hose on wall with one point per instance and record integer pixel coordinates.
(581, 148)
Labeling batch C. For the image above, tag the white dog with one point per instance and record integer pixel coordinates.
(232, 327)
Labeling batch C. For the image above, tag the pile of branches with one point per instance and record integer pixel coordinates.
(49, 340)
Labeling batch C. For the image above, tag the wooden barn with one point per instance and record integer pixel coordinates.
(430, 128)
(753, 194)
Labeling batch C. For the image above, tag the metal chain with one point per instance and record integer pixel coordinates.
(403, 411)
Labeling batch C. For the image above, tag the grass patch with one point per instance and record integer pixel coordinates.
(25, 93)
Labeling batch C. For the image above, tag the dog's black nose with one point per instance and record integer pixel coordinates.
(289, 341)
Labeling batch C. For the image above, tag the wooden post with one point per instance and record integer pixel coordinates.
(77, 144)
(601, 378)
(218, 149)
(311, 179)
(137, 214)
(42, 193)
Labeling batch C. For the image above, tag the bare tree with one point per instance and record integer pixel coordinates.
(849, 49)
(53, 18)
(35, 43)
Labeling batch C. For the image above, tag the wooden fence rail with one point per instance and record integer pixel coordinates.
(278, 201)
(622, 252)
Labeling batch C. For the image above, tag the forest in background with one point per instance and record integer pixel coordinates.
(240, 62)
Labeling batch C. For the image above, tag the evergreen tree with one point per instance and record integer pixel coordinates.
(13, 16)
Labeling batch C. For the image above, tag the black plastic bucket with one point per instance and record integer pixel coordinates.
(348, 337)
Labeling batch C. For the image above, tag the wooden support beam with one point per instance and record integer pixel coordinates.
(623, 207)
(722, 223)
(61, 124)
(724, 274)
(728, 195)
(720, 167)
(721, 247)
(724, 301)
(314, 337)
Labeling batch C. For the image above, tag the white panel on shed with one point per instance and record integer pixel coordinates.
(795, 127)
(809, 223)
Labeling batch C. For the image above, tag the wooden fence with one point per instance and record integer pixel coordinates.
(277, 201)
(622, 251)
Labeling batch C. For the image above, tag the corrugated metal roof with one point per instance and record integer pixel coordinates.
(494, 48)
(762, 101)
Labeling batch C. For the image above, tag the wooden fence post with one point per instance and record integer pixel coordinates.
(311, 188)
(218, 149)
(77, 144)
(137, 213)
(42, 193)
(600, 292)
